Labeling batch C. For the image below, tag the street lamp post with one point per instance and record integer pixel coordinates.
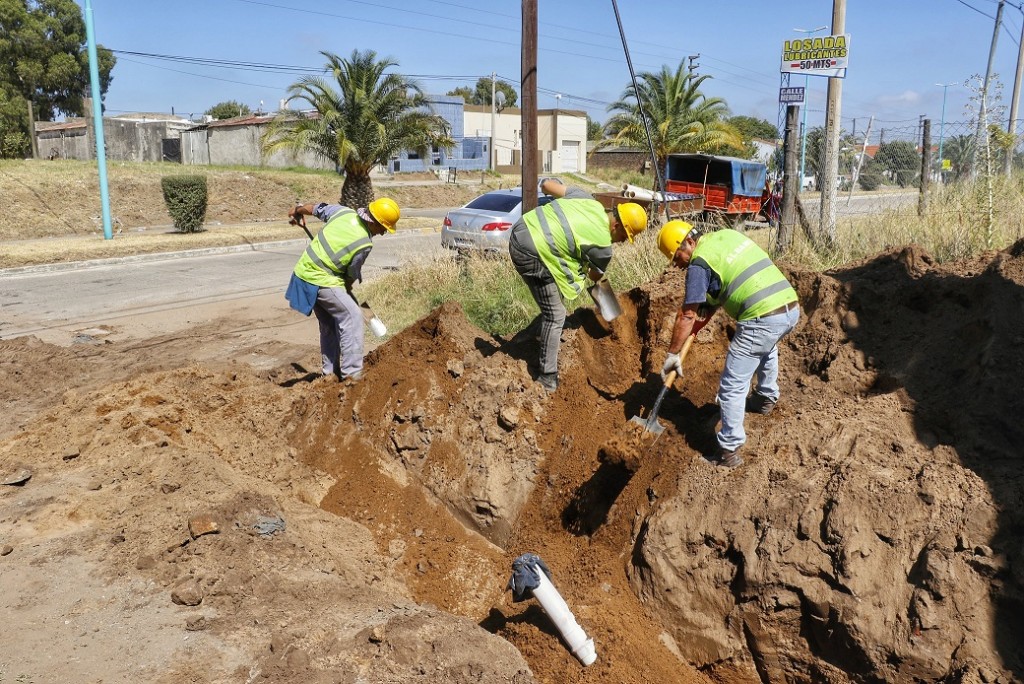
(803, 124)
(942, 122)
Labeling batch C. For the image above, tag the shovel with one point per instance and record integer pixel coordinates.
(607, 303)
(650, 423)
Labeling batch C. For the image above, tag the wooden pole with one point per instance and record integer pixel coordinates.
(926, 166)
(528, 87)
(790, 181)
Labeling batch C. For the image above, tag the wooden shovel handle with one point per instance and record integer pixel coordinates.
(671, 377)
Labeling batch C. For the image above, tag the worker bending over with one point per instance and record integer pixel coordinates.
(324, 275)
(726, 269)
(557, 246)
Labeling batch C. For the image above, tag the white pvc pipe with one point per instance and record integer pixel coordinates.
(377, 327)
(558, 610)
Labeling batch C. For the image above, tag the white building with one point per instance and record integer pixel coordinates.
(561, 137)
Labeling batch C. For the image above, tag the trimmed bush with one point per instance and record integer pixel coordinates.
(185, 197)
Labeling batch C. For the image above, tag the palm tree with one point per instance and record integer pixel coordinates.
(959, 150)
(680, 116)
(365, 121)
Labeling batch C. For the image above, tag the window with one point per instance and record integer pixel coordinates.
(494, 201)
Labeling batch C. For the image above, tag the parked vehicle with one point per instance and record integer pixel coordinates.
(733, 189)
(485, 222)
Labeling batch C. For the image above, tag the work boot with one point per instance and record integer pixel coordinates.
(722, 457)
(758, 403)
(730, 459)
(548, 381)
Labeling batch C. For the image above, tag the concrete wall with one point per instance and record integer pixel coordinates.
(64, 144)
(126, 139)
(627, 160)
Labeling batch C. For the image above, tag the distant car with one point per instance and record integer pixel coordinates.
(485, 222)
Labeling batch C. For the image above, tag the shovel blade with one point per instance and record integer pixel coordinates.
(650, 424)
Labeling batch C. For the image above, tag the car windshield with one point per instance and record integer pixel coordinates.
(494, 201)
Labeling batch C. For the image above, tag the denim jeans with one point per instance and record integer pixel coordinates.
(754, 350)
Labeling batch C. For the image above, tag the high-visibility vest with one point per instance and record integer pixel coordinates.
(327, 256)
(751, 284)
(561, 230)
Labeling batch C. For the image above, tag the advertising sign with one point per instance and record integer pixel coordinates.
(822, 56)
(791, 95)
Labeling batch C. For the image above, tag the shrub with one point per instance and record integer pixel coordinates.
(186, 201)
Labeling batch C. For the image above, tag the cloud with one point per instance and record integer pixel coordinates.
(907, 97)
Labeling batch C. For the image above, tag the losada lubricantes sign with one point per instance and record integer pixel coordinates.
(822, 56)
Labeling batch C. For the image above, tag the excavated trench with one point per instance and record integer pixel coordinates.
(861, 541)
(873, 533)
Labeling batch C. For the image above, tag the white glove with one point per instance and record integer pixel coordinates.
(673, 362)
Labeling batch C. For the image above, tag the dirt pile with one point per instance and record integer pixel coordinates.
(365, 532)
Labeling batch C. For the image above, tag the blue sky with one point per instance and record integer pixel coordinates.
(899, 49)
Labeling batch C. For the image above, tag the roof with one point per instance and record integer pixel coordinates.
(70, 124)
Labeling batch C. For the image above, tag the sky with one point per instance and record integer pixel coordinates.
(899, 51)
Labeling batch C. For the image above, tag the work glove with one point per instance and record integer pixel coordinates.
(673, 362)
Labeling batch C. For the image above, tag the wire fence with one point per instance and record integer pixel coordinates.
(912, 183)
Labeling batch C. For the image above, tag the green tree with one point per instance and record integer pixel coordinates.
(595, 131)
(228, 110)
(680, 117)
(43, 44)
(751, 127)
(481, 93)
(871, 176)
(363, 118)
(464, 92)
(901, 161)
(959, 150)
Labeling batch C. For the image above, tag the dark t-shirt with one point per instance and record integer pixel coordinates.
(700, 282)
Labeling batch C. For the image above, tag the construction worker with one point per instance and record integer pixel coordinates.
(324, 275)
(557, 246)
(726, 269)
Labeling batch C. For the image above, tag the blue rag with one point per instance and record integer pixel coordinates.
(524, 576)
(301, 295)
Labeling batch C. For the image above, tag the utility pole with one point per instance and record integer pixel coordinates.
(860, 160)
(1011, 125)
(528, 88)
(494, 153)
(833, 121)
(693, 66)
(982, 110)
(804, 107)
(97, 118)
(926, 166)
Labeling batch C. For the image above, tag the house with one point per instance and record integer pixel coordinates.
(561, 137)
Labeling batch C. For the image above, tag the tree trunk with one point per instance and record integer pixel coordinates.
(357, 190)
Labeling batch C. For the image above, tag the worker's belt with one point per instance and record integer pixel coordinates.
(781, 310)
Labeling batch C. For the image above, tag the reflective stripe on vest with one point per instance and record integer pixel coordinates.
(581, 223)
(323, 265)
(752, 285)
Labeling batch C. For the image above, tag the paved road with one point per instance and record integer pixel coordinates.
(87, 295)
(860, 205)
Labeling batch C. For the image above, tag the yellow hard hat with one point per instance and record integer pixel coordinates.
(385, 212)
(672, 235)
(632, 217)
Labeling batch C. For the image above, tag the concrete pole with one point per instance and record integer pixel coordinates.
(980, 134)
(860, 160)
(833, 122)
(1011, 125)
(528, 88)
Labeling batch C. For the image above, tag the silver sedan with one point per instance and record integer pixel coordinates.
(485, 222)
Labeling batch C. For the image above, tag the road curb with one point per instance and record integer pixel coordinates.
(181, 254)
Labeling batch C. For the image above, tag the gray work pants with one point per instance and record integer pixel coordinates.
(545, 292)
(341, 331)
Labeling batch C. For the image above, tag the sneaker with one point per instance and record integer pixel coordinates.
(548, 381)
(758, 403)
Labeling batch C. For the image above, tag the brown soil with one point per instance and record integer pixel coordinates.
(364, 533)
